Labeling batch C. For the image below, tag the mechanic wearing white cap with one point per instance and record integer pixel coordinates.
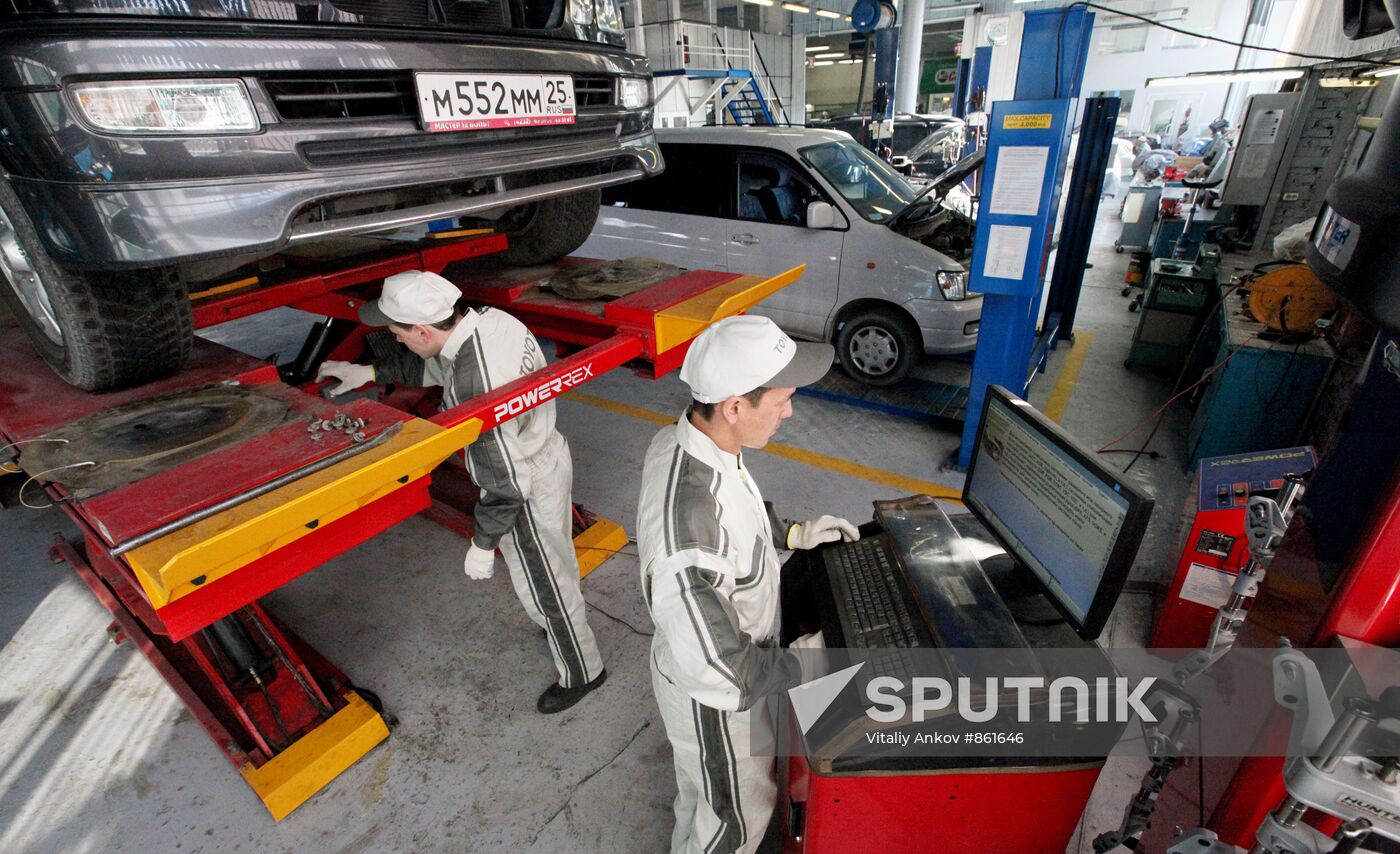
(708, 544)
(522, 466)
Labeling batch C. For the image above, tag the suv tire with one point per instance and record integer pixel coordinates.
(552, 228)
(877, 346)
(98, 330)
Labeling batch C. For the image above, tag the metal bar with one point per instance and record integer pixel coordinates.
(544, 385)
(382, 95)
(388, 220)
(769, 78)
(298, 671)
(216, 681)
(1081, 209)
(1343, 735)
(261, 489)
(250, 302)
(714, 90)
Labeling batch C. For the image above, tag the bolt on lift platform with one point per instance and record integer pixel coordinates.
(198, 494)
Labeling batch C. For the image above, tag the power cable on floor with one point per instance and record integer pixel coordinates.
(1161, 412)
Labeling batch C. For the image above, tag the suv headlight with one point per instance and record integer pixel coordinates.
(633, 93)
(609, 16)
(581, 12)
(953, 285)
(175, 106)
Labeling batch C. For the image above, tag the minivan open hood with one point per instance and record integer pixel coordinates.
(958, 172)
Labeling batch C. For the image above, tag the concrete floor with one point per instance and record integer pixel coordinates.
(97, 754)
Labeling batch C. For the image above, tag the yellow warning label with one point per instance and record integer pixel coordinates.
(1026, 121)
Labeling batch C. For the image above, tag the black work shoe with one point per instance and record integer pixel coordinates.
(557, 698)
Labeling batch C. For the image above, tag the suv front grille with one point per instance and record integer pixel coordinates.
(592, 90)
(352, 95)
(341, 96)
(458, 13)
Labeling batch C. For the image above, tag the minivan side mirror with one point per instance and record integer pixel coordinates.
(821, 215)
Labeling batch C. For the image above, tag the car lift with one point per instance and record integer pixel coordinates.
(180, 554)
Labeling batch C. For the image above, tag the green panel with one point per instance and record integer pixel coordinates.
(939, 75)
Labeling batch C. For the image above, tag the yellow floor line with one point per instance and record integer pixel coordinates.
(905, 485)
(1069, 377)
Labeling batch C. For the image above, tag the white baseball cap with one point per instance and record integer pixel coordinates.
(740, 354)
(411, 298)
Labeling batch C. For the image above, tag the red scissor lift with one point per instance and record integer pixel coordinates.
(181, 545)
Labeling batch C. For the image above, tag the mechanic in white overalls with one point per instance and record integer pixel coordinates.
(708, 544)
(523, 466)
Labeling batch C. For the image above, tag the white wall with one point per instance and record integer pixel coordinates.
(1122, 71)
(1320, 32)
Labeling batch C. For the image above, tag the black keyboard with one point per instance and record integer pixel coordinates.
(872, 597)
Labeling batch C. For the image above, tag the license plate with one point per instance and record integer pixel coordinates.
(450, 102)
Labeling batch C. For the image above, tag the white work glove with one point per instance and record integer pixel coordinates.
(351, 375)
(812, 641)
(823, 529)
(480, 563)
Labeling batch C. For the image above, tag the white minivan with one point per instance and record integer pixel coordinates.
(760, 200)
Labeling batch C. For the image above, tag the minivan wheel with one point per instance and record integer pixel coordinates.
(543, 231)
(877, 347)
(97, 330)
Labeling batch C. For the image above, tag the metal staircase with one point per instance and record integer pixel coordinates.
(734, 90)
(740, 92)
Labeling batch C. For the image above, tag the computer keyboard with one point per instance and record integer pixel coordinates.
(874, 602)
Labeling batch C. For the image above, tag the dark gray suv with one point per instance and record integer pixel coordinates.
(150, 145)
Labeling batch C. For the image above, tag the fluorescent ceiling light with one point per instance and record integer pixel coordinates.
(942, 8)
(827, 13)
(837, 55)
(848, 61)
(1388, 71)
(813, 48)
(848, 19)
(820, 64)
(1019, 2)
(798, 7)
(1251, 74)
(760, 2)
(1348, 82)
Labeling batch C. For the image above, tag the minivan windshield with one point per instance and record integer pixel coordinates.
(871, 185)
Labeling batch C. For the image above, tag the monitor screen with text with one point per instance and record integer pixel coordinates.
(1056, 515)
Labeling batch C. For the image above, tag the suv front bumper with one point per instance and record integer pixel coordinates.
(110, 201)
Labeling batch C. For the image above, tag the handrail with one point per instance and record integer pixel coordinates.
(768, 78)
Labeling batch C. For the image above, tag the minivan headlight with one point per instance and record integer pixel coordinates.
(633, 93)
(175, 106)
(953, 285)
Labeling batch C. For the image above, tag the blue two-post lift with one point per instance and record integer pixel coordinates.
(1026, 143)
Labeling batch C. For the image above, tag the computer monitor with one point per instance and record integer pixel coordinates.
(1070, 520)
